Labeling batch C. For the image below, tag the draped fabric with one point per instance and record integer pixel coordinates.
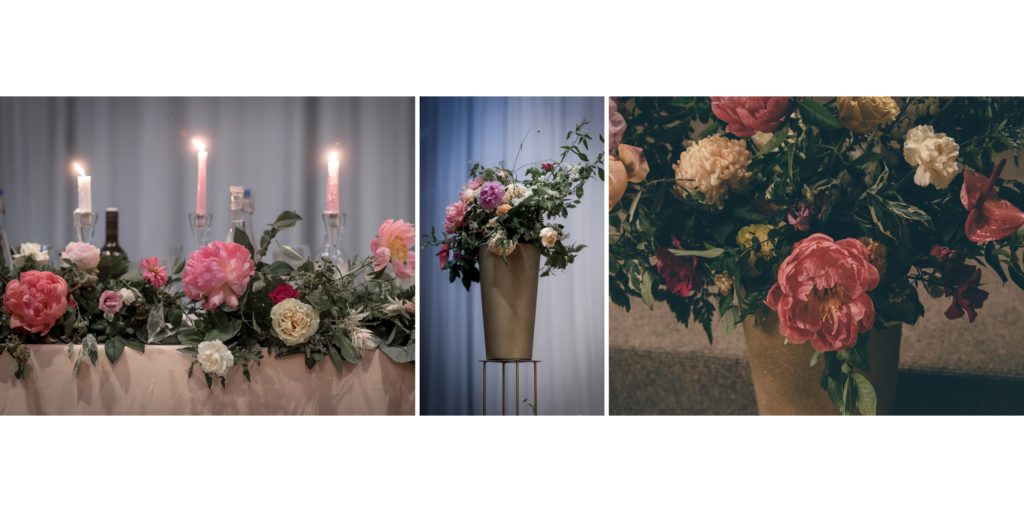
(569, 335)
(139, 154)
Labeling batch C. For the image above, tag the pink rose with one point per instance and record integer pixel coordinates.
(392, 246)
(616, 126)
(747, 115)
(153, 272)
(217, 274)
(821, 294)
(85, 256)
(454, 215)
(36, 301)
(111, 302)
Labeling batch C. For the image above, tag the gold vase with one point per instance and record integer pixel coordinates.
(508, 290)
(786, 383)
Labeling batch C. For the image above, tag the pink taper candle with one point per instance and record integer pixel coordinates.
(333, 203)
(201, 174)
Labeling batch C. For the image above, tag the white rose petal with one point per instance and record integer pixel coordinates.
(294, 321)
(215, 358)
(127, 295)
(933, 154)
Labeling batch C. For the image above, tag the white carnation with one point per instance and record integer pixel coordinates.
(215, 358)
(933, 154)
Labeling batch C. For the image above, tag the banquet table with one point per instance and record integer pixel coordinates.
(155, 382)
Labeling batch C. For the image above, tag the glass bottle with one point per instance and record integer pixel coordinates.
(249, 206)
(236, 216)
(113, 259)
(5, 248)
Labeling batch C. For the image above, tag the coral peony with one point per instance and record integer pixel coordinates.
(153, 272)
(678, 272)
(217, 274)
(492, 194)
(863, 114)
(990, 217)
(747, 115)
(281, 292)
(454, 215)
(933, 155)
(392, 246)
(713, 166)
(85, 256)
(36, 301)
(821, 294)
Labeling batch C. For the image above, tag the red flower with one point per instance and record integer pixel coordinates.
(548, 166)
(943, 253)
(800, 217)
(678, 272)
(961, 281)
(991, 217)
(443, 255)
(282, 292)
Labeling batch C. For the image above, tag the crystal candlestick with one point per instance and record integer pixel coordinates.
(200, 224)
(85, 224)
(334, 227)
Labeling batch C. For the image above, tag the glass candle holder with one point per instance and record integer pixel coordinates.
(85, 225)
(334, 228)
(200, 224)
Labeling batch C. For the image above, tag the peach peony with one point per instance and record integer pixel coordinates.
(454, 215)
(747, 115)
(821, 294)
(36, 301)
(712, 166)
(217, 274)
(392, 246)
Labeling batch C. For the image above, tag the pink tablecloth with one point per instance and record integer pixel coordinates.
(155, 383)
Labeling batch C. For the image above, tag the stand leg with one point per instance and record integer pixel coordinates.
(503, 393)
(517, 388)
(485, 389)
(535, 406)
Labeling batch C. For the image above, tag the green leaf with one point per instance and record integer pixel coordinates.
(815, 357)
(156, 325)
(400, 353)
(242, 238)
(867, 401)
(993, 260)
(347, 349)
(336, 358)
(113, 348)
(711, 252)
(286, 220)
(777, 139)
(819, 115)
(646, 284)
(135, 344)
(224, 331)
(1016, 275)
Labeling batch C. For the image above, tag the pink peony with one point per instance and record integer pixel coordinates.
(217, 274)
(492, 194)
(821, 294)
(454, 215)
(153, 272)
(85, 256)
(392, 246)
(747, 115)
(111, 302)
(678, 272)
(36, 301)
(616, 126)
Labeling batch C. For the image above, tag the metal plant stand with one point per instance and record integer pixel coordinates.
(504, 395)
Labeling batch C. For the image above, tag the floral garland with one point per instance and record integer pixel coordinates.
(499, 210)
(230, 307)
(831, 215)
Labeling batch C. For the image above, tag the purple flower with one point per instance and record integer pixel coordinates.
(492, 194)
(800, 217)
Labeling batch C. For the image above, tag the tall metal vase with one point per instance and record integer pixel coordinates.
(786, 383)
(508, 290)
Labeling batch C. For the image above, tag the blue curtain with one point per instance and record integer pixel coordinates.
(139, 154)
(569, 336)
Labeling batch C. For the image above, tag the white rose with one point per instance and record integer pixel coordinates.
(127, 295)
(294, 321)
(31, 251)
(548, 237)
(85, 256)
(934, 155)
(215, 358)
(501, 246)
(515, 193)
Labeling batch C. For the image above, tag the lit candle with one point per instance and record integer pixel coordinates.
(333, 162)
(84, 189)
(201, 178)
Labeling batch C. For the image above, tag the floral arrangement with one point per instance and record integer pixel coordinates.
(833, 215)
(230, 307)
(500, 209)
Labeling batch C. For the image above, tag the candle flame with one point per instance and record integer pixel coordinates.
(200, 145)
(334, 156)
(78, 168)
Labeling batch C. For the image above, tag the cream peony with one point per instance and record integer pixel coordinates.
(713, 166)
(215, 358)
(294, 321)
(549, 236)
(933, 154)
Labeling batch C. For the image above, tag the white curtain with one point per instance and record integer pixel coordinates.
(139, 154)
(569, 336)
